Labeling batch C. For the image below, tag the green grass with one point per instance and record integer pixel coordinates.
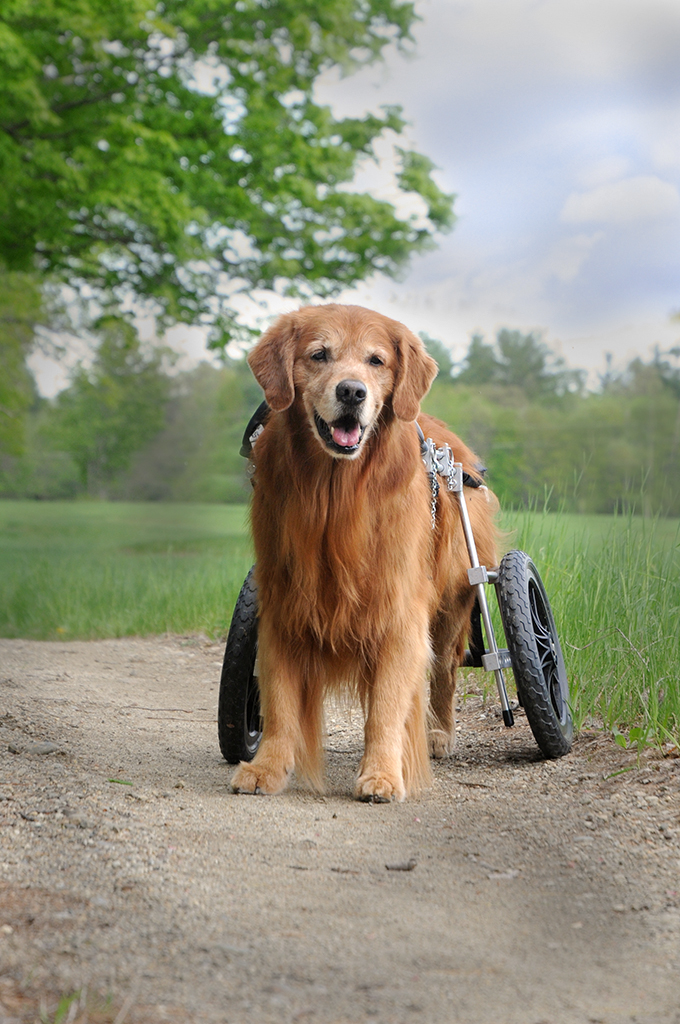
(614, 586)
(82, 570)
(85, 570)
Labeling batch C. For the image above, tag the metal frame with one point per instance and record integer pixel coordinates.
(495, 659)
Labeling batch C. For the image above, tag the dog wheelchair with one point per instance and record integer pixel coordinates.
(533, 649)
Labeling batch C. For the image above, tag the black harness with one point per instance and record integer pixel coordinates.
(254, 429)
(258, 419)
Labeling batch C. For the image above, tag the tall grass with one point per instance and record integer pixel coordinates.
(614, 585)
(85, 570)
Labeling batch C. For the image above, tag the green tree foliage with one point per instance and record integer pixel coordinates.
(616, 449)
(669, 369)
(588, 452)
(480, 365)
(521, 361)
(20, 308)
(111, 409)
(195, 457)
(440, 353)
(612, 450)
(175, 152)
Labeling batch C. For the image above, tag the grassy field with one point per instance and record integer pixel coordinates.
(101, 569)
(85, 570)
(614, 584)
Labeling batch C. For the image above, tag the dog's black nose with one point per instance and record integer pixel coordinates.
(350, 392)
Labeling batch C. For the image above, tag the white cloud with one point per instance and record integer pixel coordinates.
(665, 151)
(603, 171)
(569, 255)
(642, 198)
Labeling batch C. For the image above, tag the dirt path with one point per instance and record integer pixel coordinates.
(542, 891)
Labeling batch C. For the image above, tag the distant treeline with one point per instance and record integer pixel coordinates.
(126, 429)
(549, 442)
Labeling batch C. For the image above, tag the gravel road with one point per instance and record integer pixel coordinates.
(536, 892)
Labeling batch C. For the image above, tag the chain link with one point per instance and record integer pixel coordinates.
(434, 483)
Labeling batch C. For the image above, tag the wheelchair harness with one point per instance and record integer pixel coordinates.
(438, 462)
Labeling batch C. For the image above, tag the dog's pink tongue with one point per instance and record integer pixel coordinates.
(347, 438)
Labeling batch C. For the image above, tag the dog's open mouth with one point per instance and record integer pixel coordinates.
(344, 436)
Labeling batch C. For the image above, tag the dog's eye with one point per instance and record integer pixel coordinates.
(319, 356)
(376, 361)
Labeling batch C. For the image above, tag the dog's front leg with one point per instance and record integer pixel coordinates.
(281, 703)
(396, 760)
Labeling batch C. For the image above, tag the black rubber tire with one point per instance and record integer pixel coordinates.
(239, 724)
(535, 653)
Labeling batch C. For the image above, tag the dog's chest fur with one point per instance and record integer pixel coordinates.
(325, 536)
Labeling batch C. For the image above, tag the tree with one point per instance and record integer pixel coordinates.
(110, 410)
(441, 355)
(20, 307)
(195, 457)
(521, 361)
(480, 365)
(668, 369)
(597, 452)
(177, 154)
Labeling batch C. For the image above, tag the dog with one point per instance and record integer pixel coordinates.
(356, 587)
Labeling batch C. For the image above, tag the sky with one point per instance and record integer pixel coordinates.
(557, 125)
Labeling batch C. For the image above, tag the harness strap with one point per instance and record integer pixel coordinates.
(254, 429)
(256, 426)
(438, 461)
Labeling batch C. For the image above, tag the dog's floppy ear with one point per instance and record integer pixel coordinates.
(415, 372)
(272, 362)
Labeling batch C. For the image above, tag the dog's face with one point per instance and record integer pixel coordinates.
(343, 364)
(343, 379)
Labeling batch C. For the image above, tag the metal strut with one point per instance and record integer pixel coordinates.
(494, 660)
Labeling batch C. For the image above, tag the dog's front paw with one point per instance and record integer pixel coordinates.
(259, 779)
(442, 744)
(379, 788)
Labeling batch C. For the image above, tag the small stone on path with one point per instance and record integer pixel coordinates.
(42, 748)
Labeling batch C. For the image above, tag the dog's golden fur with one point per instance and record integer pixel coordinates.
(355, 587)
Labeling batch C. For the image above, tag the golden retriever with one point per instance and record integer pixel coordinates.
(355, 587)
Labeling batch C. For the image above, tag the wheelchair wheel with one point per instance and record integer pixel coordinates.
(239, 724)
(535, 653)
